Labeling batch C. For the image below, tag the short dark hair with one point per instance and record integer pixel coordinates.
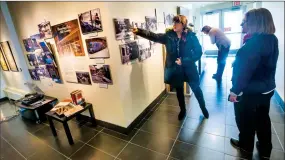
(260, 21)
(206, 29)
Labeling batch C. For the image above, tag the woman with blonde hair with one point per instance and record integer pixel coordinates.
(254, 82)
(183, 50)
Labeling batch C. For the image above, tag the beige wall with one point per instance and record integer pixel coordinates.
(135, 85)
(12, 80)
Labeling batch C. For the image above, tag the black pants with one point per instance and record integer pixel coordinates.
(252, 115)
(198, 94)
(222, 59)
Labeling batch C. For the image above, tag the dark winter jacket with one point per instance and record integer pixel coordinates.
(189, 51)
(255, 65)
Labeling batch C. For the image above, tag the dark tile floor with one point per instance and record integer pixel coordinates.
(159, 136)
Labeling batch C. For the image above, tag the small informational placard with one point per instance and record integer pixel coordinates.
(101, 85)
(99, 61)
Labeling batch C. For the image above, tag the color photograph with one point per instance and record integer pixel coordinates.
(101, 74)
(83, 78)
(68, 39)
(151, 23)
(129, 52)
(54, 73)
(35, 41)
(34, 75)
(3, 61)
(32, 59)
(28, 43)
(97, 48)
(123, 29)
(6, 49)
(45, 30)
(90, 21)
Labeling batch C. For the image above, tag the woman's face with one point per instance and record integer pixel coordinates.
(177, 27)
(244, 25)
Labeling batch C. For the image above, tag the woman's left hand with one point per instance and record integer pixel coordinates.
(178, 61)
(233, 98)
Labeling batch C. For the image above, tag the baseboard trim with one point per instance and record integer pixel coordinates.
(279, 100)
(4, 99)
(136, 122)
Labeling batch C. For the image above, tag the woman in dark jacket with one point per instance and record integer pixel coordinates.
(254, 82)
(183, 50)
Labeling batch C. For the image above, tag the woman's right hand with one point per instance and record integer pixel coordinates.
(135, 30)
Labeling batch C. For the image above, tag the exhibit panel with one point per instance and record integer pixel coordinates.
(86, 49)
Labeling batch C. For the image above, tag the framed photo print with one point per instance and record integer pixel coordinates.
(9, 56)
(3, 61)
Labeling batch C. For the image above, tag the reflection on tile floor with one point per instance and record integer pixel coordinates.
(159, 136)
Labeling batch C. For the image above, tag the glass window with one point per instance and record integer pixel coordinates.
(235, 39)
(232, 21)
(212, 20)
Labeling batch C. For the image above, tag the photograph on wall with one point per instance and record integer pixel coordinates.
(34, 75)
(144, 52)
(40, 58)
(68, 39)
(40, 71)
(6, 49)
(90, 21)
(138, 25)
(151, 23)
(101, 74)
(28, 43)
(129, 52)
(54, 73)
(45, 30)
(83, 78)
(47, 55)
(168, 19)
(35, 41)
(32, 59)
(3, 61)
(123, 29)
(97, 48)
(44, 71)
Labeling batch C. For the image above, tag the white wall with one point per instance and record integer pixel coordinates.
(12, 80)
(277, 11)
(135, 85)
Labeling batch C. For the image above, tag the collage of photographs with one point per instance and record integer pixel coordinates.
(69, 43)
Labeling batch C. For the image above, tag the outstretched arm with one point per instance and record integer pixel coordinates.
(155, 37)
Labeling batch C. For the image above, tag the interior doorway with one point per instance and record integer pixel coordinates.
(227, 20)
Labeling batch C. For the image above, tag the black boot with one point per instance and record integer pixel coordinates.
(182, 115)
(235, 143)
(205, 112)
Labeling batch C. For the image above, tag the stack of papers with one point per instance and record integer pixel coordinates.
(66, 108)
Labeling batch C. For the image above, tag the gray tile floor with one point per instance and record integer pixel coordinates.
(159, 135)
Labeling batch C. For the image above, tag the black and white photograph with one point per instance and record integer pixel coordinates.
(45, 30)
(168, 19)
(90, 21)
(129, 52)
(151, 23)
(83, 78)
(32, 59)
(101, 74)
(34, 75)
(123, 29)
(138, 25)
(144, 52)
(97, 48)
